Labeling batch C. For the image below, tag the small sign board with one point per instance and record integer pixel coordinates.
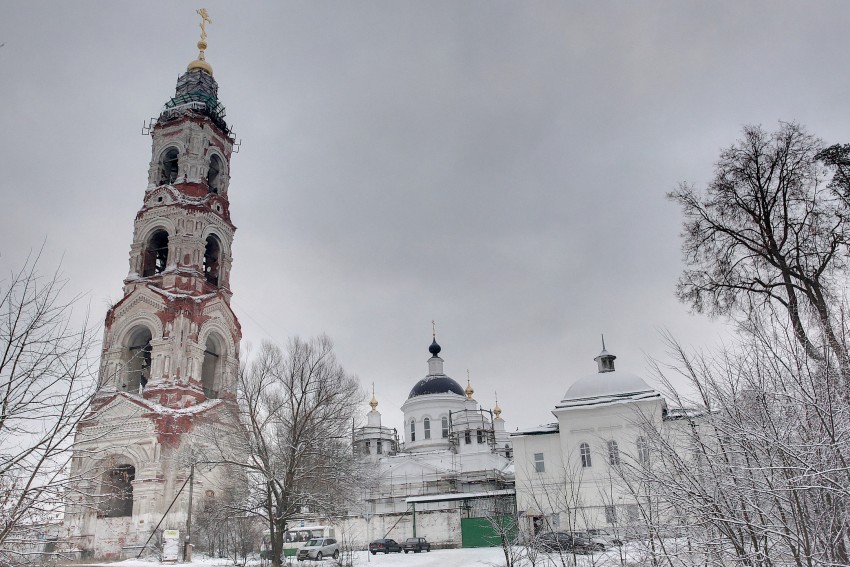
(170, 545)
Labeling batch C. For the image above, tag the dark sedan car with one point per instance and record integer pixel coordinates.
(416, 544)
(564, 542)
(384, 546)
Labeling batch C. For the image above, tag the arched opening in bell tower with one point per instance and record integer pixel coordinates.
(212, 254)
(137, 361)
(116, 491)
(211, 368)
(156, 254)
(168, 166)
(214, 174)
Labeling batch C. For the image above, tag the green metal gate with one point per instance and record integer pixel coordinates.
(484, 532)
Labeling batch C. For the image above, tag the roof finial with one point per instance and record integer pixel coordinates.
(497, 411)
(434, 349)
(374, 402)
(469, 391)
(200, 62)
(605, 360)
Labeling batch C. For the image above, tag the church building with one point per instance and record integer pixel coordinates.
(171, 345)
(455, 463)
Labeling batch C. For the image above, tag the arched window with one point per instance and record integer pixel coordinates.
(137, 360)
(426, 423)
(168, 166)
(211, 369)
(642, 451)
(116, 491)
(584, 451)
(212, 254)
(445, 427)
(613, 453)
(156, 254)
(412, 430)
(214, 175)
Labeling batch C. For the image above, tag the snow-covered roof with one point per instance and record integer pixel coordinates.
(459, 496)
(606, 386)
(539, 430)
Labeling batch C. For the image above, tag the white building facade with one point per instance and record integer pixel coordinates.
(570, 473)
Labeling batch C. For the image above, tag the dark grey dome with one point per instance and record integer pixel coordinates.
(439, 384)
(434, 348)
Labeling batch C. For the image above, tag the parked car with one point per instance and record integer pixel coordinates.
(604, 538)
(416, 544)
(562, 542)
(385, 546)
(318, 548)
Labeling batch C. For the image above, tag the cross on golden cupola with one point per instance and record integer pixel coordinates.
(201, 62)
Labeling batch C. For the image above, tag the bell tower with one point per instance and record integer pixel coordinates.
(173, 337)
(167, 383)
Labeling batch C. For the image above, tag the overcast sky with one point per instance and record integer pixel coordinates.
(499, 167)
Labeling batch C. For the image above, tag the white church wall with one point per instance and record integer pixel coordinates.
(569, 494)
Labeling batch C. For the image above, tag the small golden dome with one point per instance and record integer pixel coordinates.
(469, 391)
(497, 411)
(374, 402)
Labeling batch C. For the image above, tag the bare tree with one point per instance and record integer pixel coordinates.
(761, 474)
(46, 382)
(297, 408)
(764, 478)
(770, 232)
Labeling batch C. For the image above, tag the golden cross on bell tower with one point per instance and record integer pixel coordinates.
(200, 62)
(433, 329)
(205, 19)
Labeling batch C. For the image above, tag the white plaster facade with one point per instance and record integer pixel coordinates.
(567, 471)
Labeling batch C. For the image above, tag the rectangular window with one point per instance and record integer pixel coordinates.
(445, 424)
(467, 437)
(643, 451)
(479, 436)
(633, 512)
(613, 453)
(539, 465)
(611, 514)
(427, 426)
(380, 448)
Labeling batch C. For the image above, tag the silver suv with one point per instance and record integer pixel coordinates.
(318, 548)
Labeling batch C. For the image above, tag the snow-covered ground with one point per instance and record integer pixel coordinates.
(491, 557)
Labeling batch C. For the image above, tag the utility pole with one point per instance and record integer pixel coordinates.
(187, 549)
